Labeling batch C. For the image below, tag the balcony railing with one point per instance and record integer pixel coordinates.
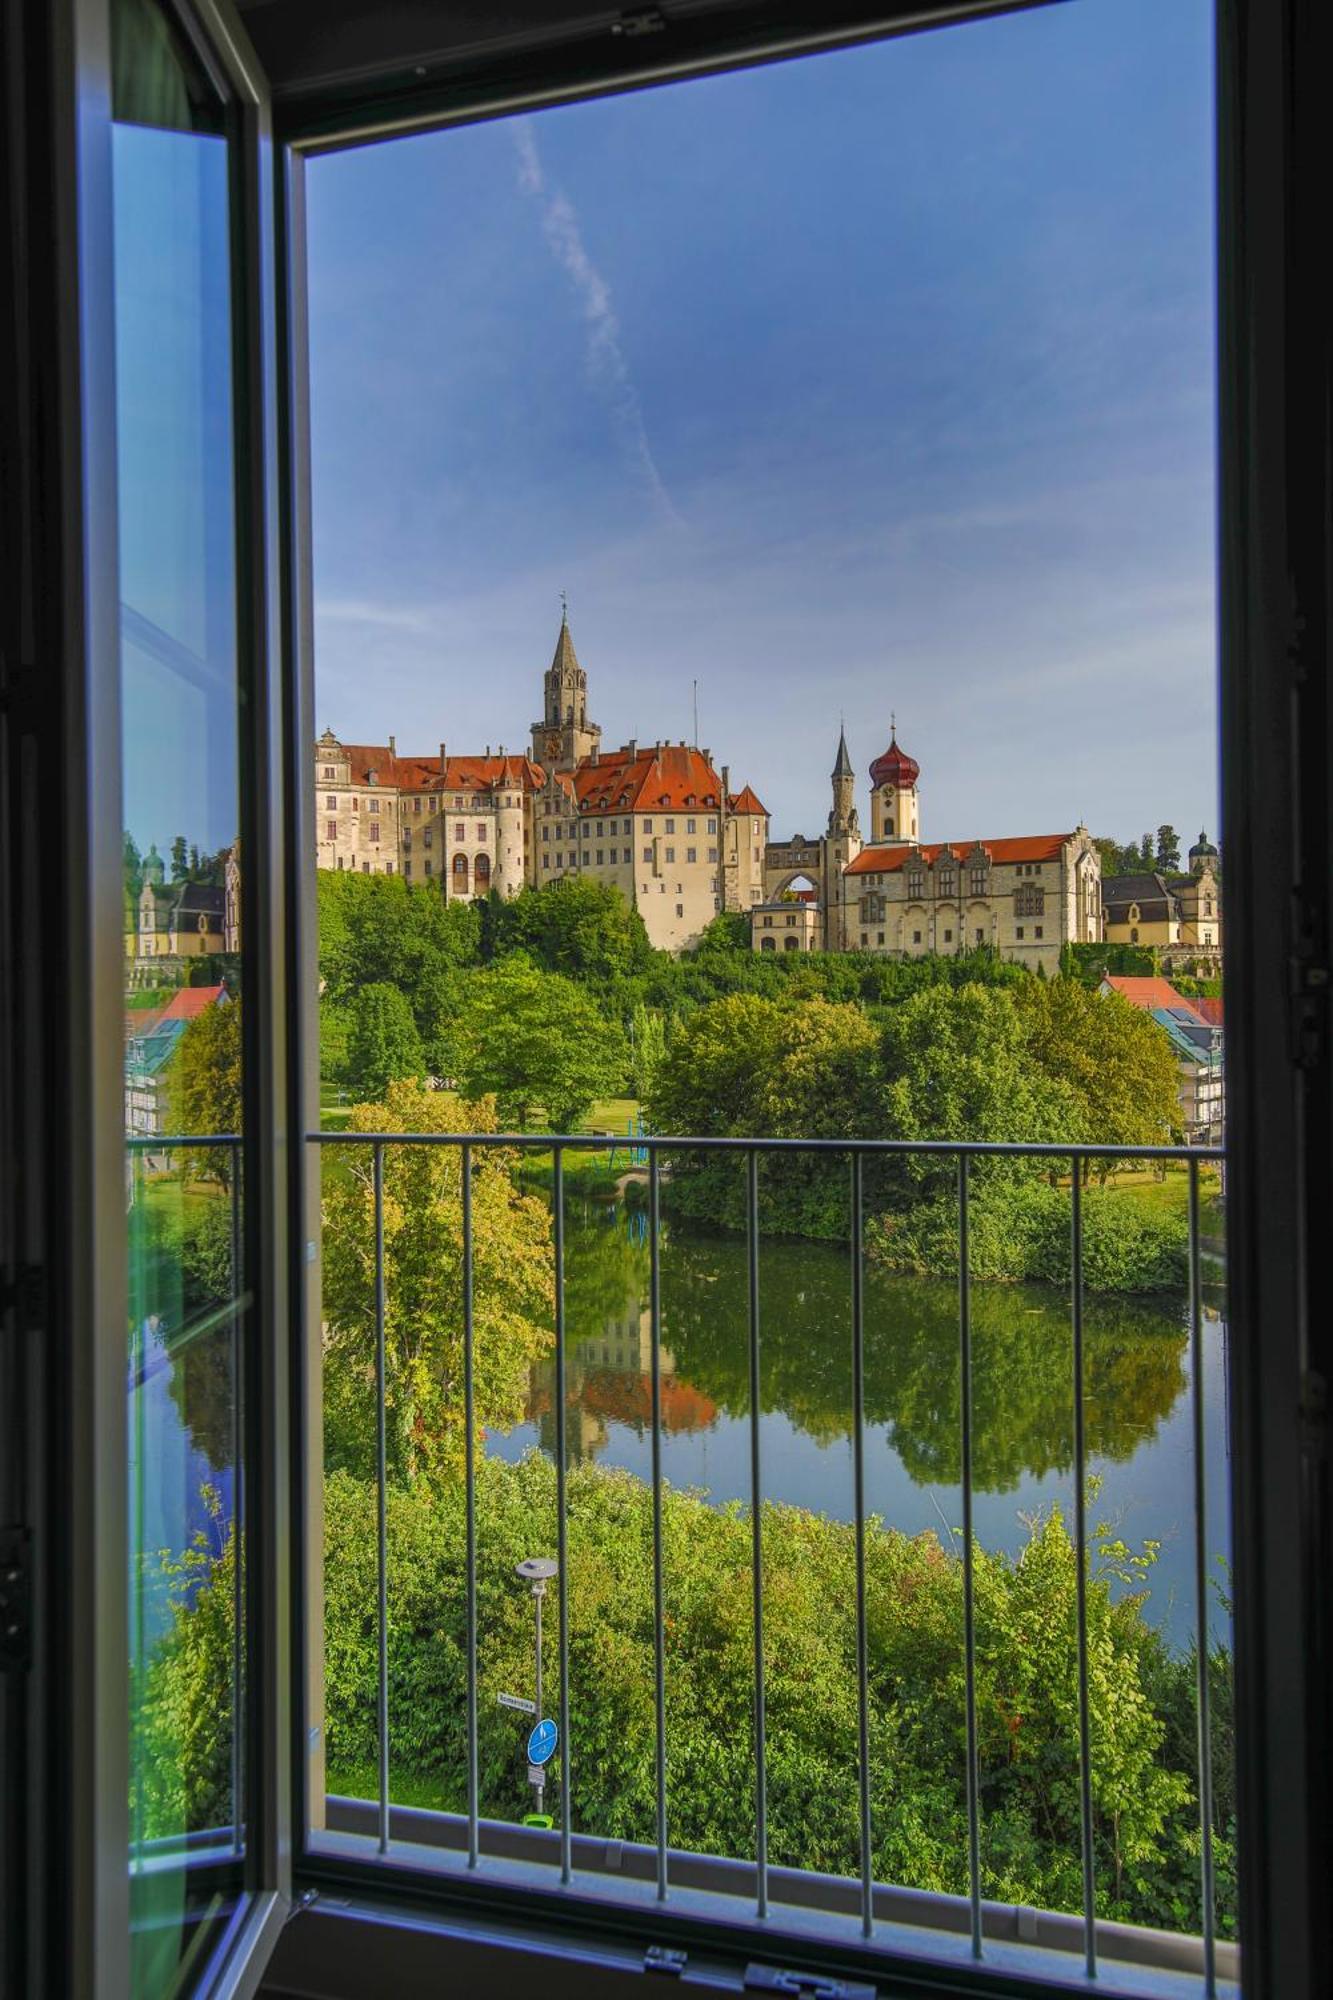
(1119, 1954)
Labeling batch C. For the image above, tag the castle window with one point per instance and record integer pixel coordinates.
(546, 861)
(546, 833)
(1037, 931)
(460, 831)
(375, 834)
(331, 805)
(947, 882)
(483, 875)
(916, 885)
(1029, 901)
(1134, 936)
(388, 868)
(768, 944)
(978, 881)
(865, 939)
(374, 805)
(416, 807)
(712, 854)
(458, 805)
(647, 853)
(481, 832)
(691, 853)
(680, 909)
(329, 771)
(407, 867)
(426, 837)
(671, 826)
(331, 830)
(712, 826)
(916, 937)
(356, 805)
(1018, 931)
(689, 826)
(888, 828)
(768, 923)
(647, 826)
(948, 937)
(671, 852)
(599, 857)
(365, 868)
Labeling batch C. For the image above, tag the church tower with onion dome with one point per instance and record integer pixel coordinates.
(894, 801)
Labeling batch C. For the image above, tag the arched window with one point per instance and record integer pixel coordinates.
(791, 944)
(460, 870)
(768, 944)
(481, 874)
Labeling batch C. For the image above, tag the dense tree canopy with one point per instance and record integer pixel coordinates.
(204, 1085)
(423, 1272)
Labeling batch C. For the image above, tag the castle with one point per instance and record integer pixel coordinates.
(665, 827)
(656, 820)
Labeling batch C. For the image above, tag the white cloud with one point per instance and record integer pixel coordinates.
(606, 354)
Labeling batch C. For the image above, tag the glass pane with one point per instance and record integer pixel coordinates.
(182, 986)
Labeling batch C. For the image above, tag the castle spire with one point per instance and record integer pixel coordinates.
(843, 767)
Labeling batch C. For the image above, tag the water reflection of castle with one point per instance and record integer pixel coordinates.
(608, 1380)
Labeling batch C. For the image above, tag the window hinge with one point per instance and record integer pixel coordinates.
(640, 21)
(803, 1985)
(15, 1599)
(665, 1958)
(25, 1294)
(1314, 1412)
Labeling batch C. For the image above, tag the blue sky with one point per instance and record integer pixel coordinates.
(881, 381)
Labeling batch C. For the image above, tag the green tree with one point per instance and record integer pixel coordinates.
(423, 1288)
(577, 926)
(382, 1042)
(648, 1045)
(529, 1038)
(1168, 850)
(204, 1086)
(180, 860)
(1113, 1056)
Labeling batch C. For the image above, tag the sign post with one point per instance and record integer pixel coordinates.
(538, 1571)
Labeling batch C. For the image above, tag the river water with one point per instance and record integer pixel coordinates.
(1137, 1403)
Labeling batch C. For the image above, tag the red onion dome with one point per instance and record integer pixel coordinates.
(895, 767)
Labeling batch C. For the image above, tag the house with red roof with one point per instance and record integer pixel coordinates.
(657, 821)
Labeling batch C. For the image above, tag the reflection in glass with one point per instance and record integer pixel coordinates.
(176, 501)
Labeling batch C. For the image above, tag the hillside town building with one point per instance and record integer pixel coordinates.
(1180, 916)
(1023, 896)
(657, 820)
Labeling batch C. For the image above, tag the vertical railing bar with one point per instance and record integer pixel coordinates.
(1201, 1593)
(659, 1597)
(561, 1524)
(382, 1523)
(757, 1547)
(859, 1505)
(1081, 1577)
(237, 1479)
(969, 1592)
(470, 1476)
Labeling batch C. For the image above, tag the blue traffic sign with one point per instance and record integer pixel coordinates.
(542, 1742)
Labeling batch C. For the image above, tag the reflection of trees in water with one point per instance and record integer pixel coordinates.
(1021, 1394)
(180, 1278)
(1022, 1390)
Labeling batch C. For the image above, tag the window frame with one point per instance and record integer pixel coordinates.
(1272, 323)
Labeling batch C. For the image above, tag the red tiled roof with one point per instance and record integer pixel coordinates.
(190, 1002)
(1149, 992)
(422, 774)
(1022, 847)
(745, 801)
(1209, 1010)
(668, 779)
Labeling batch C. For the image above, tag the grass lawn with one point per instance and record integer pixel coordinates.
(335, 1107)
(1173, 1191)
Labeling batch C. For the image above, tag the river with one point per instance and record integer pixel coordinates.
(1137, 1402)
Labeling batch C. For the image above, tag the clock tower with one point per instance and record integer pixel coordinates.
(564, 737)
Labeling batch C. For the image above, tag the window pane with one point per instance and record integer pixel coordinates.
(182, 991)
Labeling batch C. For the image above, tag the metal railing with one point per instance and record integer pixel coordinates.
(876, 1904)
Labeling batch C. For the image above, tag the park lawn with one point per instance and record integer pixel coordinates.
(1172, 1192)
(335, 1107)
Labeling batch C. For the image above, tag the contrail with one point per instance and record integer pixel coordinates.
(606, 355)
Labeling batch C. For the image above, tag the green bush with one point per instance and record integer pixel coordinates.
(1021, 1229)
(1145, 1821)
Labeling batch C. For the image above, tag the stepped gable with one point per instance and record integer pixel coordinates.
(671, 777)
(1022, 847)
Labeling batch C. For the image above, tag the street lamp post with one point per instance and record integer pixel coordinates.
(537, 1571)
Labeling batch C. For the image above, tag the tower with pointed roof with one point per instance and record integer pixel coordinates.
(842, 819)
(564, 737)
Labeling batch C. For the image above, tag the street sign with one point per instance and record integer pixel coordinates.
(518, 1701)
(541, 1744)
(536, 1774)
